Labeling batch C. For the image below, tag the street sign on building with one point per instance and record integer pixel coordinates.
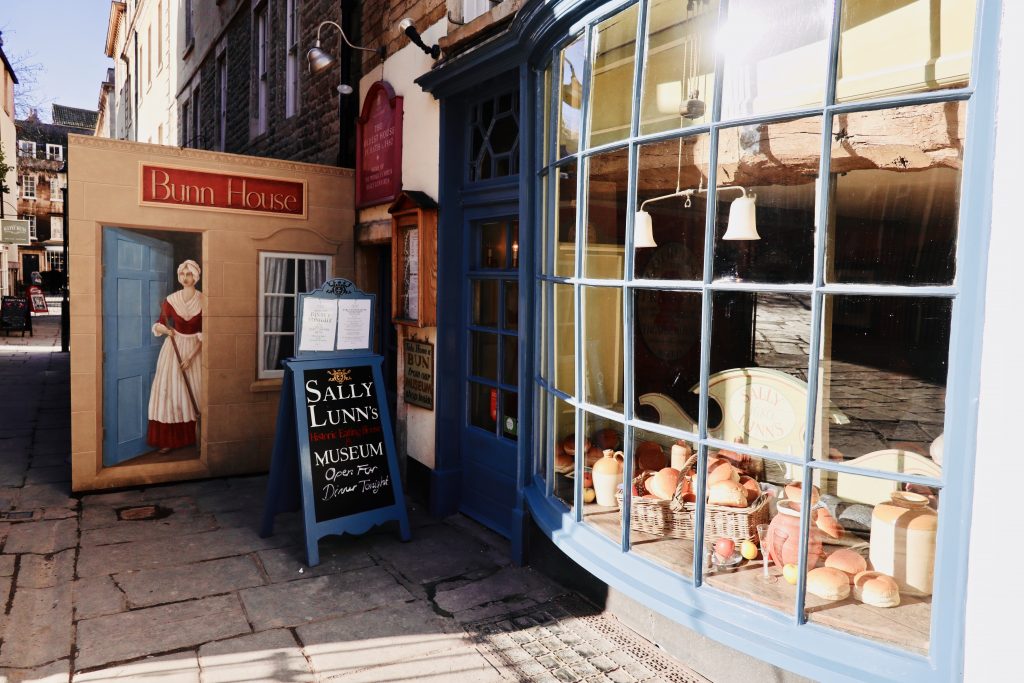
(14, 232)
(379, 147)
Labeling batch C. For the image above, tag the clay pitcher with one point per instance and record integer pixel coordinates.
(783, 539)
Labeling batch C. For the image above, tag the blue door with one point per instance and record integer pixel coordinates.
(138, 273)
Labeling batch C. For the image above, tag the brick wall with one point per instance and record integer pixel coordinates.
(381, 18)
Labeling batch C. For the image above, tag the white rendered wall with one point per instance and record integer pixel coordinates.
(420, 158)
(995, 594)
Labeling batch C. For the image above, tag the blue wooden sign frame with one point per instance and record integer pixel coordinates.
(334, 289)
(291, 477)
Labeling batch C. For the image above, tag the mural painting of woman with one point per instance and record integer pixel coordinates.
(174, 397)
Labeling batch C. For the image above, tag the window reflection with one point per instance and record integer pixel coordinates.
(614, 55)
(602, 346)
(570, 98)
(666, 356)
(602, 475)
(565, 220)
(607, 190)
(677, 223)
(564, 422)
(679, 73)
(928, 47)
(775, 55)
(564, 332)
(884, 364)
(896, 177)
(778, 163)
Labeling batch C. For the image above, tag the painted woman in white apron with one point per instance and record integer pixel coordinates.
(173, 400)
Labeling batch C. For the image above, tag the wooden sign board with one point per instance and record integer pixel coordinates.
(419, 374)
(192, 188)
(37, 300)
(14, 315)
(334, 452)
(379, 147)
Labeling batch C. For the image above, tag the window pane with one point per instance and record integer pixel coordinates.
(275, 349)
(777, 164)
(484, 355)
(928, 47)
(602, 346)
(510, 415)
(757, 391)
(544, 332)
(738, 502)
(510, 361)
(775, 55)
(483, 406)
(611, 95)
(565, 221)
(279, 276)
(677, 223)
(666, 356)
(884, 527)
(492, 245)
(600, 507)
(883, 374)
(564, 319)
(485, 302)
(564, 422)
(544, 244)
(546, 108)
(679, 75)
(511, 305)
(571, 98)
(278, 314)
(896, 176)
(543, 438)
(606, 214)
(656, 531)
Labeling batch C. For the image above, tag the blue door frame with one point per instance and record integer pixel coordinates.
(497, 500)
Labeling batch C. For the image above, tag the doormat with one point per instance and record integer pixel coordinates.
(568, 640)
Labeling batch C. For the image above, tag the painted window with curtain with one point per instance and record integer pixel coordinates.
(282, 278)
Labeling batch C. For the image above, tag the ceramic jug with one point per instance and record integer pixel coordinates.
(903, 541)
(607, 475)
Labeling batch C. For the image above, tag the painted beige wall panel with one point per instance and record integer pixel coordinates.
(238, 415)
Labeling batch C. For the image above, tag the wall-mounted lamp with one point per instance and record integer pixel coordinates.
(409, 28)
(742, 216)
(320, 60)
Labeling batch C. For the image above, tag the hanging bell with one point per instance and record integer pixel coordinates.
(693, 109)
(643, 231)
(742, 219)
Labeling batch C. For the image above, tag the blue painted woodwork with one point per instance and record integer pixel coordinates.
(290, 469)
(138, 274)
(537, 30)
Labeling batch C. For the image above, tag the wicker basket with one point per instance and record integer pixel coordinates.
(676, 519)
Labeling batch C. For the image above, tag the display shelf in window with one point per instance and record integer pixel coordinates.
(414, 259)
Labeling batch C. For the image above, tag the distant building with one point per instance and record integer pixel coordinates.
(8, 253)
(105, 108)
(42, 175)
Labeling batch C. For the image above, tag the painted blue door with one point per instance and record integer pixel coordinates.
(490, 376)
(138, 273)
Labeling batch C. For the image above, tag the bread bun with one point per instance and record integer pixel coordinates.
(847, 561)
(607, 438)
(564, 463)
(649, 456)
(569, 445)
(593, 455)
(828, 583)
(876, 589)
(752, 488)
(663, 484)
(727, 493)
(828, 525)
(794, 492)
(719, 469)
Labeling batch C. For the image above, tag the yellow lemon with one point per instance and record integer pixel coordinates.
(748, 550)
(589, 495)
(789, 573)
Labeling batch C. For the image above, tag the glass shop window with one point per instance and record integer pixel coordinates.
(495, 137)
(282, 278)
(728, 321)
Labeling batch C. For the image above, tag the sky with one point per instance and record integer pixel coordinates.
(65, 38)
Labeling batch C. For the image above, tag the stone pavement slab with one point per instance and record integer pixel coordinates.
(464, 665)
(155, 630)
(508, 583)
(289, 564)
(96, 597)
(181, 667)
(323, 597)
(266, 657)
(174, 584)
(38, 629)
(389, 634)
(42, 537)
(35, 496)
(46, 571)
(55, 672)
(440, 552)
(128, 531)
(7, 565)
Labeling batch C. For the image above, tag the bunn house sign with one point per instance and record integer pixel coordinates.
(379, 147)
(161, 185)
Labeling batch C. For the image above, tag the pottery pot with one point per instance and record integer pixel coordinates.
(783, 538)
(903, 541)
(607, 475)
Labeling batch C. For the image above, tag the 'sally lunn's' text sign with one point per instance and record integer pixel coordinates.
(191, 188)
(347, 451)
(419, 374)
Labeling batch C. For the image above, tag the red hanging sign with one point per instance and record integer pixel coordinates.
(379, 147)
